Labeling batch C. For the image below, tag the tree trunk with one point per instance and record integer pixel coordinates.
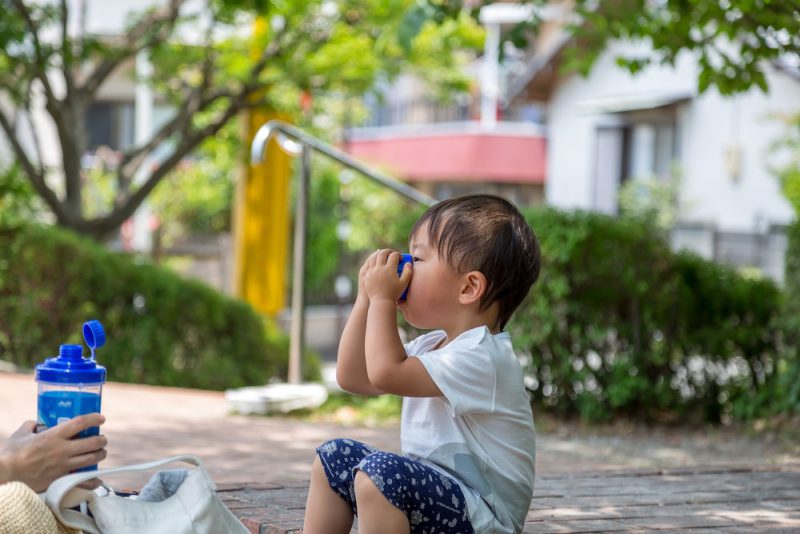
(70, 119)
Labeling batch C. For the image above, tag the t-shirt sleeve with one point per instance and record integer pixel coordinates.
(466, 378)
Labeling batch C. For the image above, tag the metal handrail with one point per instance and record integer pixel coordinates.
(271, 128)
(298, 143)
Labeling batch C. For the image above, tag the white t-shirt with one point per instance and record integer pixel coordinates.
(480, 431)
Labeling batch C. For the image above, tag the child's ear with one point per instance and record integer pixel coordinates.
(473, 287)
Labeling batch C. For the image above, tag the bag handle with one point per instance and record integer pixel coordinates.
(63, 493)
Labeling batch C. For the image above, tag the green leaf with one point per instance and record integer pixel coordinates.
(416, 16)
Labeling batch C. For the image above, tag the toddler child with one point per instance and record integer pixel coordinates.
(467, 435)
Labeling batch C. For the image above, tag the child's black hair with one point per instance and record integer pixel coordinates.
(486, 233)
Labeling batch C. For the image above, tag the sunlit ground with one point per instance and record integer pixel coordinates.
(146, 423)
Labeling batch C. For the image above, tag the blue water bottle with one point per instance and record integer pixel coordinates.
(71, 385)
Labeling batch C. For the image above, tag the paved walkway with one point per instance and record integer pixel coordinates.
(146, 423)
(704, 499)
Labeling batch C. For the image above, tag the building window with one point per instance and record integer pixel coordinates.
(651, 151)
(110, 124)
(642, 145)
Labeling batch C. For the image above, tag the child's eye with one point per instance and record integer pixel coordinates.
(415, 258)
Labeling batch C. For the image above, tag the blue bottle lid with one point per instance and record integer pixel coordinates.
(70, 367)
(94, 335)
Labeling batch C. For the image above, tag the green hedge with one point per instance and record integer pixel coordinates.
(161, 329)
(618, 325)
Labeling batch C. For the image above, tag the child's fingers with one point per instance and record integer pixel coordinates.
(374, 258)
(405, 276)
(370, 260)
(388, 257)
(393, 258)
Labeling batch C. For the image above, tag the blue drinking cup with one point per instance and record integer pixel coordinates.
(404, 258)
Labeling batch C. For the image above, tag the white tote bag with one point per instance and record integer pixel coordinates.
(194, 508)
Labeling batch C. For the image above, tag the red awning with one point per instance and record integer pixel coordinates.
(455, 156)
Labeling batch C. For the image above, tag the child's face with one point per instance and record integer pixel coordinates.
(433, 293)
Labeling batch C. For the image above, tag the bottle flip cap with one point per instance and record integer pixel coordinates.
(94, 335)
(404, 258)
(70, 367)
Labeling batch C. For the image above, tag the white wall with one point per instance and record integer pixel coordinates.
(706, 124)
(714, 124)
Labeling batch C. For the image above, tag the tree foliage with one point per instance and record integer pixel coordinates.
(734, 40)
(788, 171)
(18, 200)
(208, 66)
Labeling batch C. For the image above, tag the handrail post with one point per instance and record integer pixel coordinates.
(297, 331)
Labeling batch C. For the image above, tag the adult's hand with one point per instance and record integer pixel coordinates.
(38, 459)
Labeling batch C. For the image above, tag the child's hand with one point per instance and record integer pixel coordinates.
(380, 276)
(362, 274)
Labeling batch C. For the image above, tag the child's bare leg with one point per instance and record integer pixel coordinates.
(326, 512)
(376, 515)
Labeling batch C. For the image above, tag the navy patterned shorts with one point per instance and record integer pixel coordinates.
(433, 502)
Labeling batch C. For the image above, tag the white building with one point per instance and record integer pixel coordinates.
(612, 126)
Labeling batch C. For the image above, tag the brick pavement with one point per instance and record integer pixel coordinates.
(716, 500)
(246, 453)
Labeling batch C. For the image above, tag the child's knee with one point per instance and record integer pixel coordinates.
(317, 470)
(365, 489)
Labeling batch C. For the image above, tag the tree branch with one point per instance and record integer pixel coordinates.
(82, 15)
(66, 50)
(36, 176)
(105, 224)
(133, 159)
(270, 52)
(163, 19)
(35, 133)
(41, 70)
(200, 99)
(6, 83)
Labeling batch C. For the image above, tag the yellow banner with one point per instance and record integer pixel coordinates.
(261, 226)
